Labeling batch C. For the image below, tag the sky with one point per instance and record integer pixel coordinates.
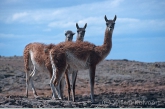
(139, 32)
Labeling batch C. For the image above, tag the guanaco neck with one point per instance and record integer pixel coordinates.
(107, 45)
(108, 39)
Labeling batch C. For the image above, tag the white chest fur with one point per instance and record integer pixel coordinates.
(76, 63)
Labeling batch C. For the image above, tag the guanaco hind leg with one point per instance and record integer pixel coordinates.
(67, 83)
(62, 86)
(27, 83)
(53, 78)
(29, 78)
(31, 81)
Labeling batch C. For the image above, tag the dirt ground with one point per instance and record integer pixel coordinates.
(118, 83)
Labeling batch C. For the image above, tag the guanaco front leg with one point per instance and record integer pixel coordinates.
(92, 80)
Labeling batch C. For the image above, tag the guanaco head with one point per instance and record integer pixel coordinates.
(110, 23)
(81, 32)
(69, 35)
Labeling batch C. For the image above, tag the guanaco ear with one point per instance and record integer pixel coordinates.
(115, 18)
(77, 26)
(85, 26)
(105, 18)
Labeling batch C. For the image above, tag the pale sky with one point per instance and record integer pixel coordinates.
(139, 32)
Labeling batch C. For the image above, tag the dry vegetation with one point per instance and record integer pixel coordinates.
(118, 83)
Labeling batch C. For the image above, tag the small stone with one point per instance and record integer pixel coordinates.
(157, 65)
(144, 98)
(52, 103)
(35, 106)
(2, 76)
(69, 105)
(92, 106)
(85, 104)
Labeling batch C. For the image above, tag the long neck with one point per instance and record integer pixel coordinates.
(108, 39)
(106, 47)
(79, 38)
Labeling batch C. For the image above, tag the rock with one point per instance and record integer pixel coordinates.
(144, 98)
(85, 104)
(157, 65)
(68, 105)
(35, 106)
(92, 106)
(28, 105)
(116, 82)
(125, 60)
(2, 76)
(8, 75)
(19, 73)
(74, 105)
(52, 103)
(0, 89)
(12, 102)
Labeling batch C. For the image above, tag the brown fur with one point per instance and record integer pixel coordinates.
(41, 57)
(80, 37)
(86, 52)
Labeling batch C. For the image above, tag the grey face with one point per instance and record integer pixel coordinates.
(69, 35)
(81, 32)
(110, 23)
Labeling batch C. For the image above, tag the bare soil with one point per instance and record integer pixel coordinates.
(118, 83)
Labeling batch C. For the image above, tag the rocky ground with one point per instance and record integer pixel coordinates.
(118, 83)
